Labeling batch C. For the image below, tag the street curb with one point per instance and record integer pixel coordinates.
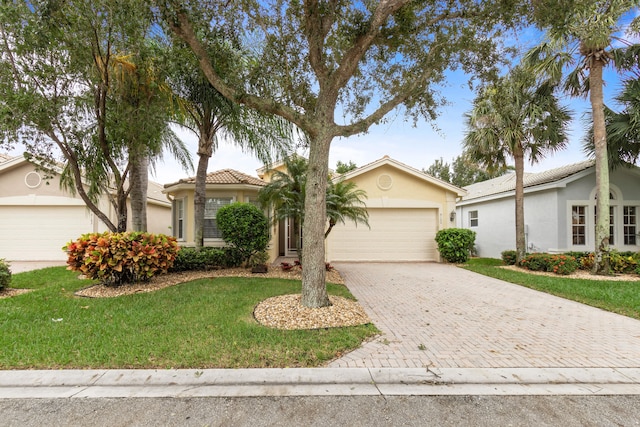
(317, 382)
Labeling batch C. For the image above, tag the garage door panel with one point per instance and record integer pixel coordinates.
(38, 233)
(395, 235)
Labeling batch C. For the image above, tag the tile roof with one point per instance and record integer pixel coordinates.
(225, 176)
(507, 182)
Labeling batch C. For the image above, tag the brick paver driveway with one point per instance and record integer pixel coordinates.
(437, 315)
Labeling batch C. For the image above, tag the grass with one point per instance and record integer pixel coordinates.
(622, 297)
(205, 323)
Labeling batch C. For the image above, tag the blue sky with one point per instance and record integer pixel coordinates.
(417, 146)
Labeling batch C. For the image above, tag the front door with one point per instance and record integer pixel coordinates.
(293, 233)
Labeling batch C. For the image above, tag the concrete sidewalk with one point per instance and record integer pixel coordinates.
(22, 266)
(183, 383)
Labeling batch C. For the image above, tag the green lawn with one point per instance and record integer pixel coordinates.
(617, 296)
(205, 323)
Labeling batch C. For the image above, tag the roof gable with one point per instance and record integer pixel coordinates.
(507, 183)
(8, 163)
(388, 161)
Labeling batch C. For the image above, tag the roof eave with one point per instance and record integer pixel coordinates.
(221, 187)
(386, 160)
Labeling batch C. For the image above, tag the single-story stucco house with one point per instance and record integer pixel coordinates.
(406, 209)
(559, 210)
(37, 217)
(222, 188)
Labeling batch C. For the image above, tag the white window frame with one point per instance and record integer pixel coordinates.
(580, 225)
(226, 201)
(179, 226)
(629, 229)
(473, 216)
(617, 204)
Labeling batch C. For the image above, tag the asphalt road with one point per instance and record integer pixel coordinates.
(565, 411)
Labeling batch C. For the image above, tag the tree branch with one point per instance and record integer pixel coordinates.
(183, 29)
(350, 61)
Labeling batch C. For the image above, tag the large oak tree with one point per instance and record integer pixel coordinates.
(319, 60)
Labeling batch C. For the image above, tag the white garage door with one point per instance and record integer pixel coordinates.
(395, 235)
(37, 233)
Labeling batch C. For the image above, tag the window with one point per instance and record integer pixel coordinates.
(178, 219)
(473, 218)
(630, 219)
(611, 222)
(579, 225)
(211, 207)
(253, 200)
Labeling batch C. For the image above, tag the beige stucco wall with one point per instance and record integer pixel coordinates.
(187, 194)
(406, 191)
(13, 183)
(14, 190)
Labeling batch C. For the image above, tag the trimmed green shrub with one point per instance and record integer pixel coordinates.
(118, 258)
(509, 257)
(587, 262)
(584, 259)
(188, 259)
(455, 244)
(244, 227)
(562, 264)
(559, 264)
(623, 262)
(5, 274)
(259, 258)
(536, 262)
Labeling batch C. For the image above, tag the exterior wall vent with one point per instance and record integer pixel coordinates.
(33, 179)
(385, 182)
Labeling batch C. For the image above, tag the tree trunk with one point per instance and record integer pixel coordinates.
(121, 211)
(601, 265)
(139, 183)
(200, 197)
(314, 288)
(521, 246)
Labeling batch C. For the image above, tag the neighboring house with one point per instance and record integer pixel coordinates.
(37, 217)
(406, 209)
(559, 210)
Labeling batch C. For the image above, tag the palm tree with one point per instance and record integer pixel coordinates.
(210, 116)
(285, 194)
(581, 33)
(623, 128)
(142, 107)
(135, 132)
(516, 117)
(345, 201)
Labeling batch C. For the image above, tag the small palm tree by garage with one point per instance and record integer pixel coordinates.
(285, 194)
(345, 202)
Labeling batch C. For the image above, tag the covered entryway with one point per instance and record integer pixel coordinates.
(396, 234)
(38, 233)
